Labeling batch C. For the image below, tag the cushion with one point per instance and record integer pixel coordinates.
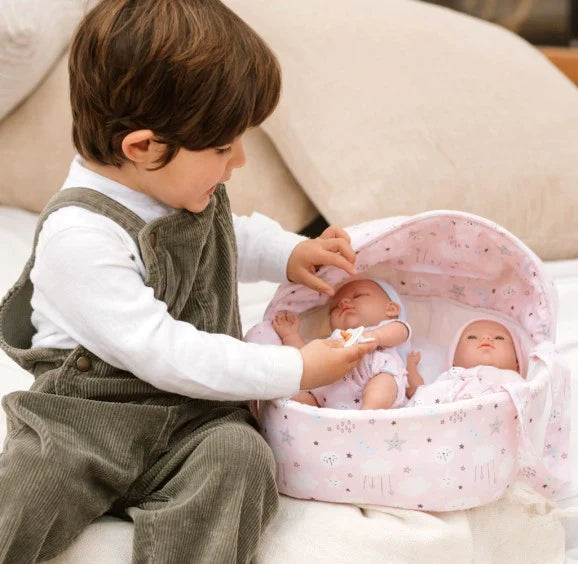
(37, 150)
(33, 37)
(266, 185)
(398, 107)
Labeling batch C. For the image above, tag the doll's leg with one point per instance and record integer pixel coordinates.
(380, 392)
(305, 397)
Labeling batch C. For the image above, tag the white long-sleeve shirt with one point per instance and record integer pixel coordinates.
(89, 289)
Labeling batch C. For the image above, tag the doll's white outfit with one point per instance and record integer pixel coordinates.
(464, 383)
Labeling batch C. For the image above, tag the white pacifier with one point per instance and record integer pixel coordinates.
(354, 336)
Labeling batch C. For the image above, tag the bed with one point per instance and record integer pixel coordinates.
(346, 532)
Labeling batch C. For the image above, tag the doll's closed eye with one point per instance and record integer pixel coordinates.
(472, 337)
(500, 338)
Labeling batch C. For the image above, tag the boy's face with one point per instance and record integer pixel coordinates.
(486, 343)
(190, 179)
(361, 302)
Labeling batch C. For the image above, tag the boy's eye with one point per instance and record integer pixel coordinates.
(499, 338)
(223, 150)
(472, 337)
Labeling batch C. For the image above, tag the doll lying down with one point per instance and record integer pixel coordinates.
(483, 357)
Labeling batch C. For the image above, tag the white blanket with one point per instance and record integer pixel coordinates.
(523, 527)
(520, 528)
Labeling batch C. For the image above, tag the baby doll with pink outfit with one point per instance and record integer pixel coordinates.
(379, 381)
(484, 355)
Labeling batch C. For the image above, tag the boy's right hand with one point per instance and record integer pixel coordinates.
(327, 360)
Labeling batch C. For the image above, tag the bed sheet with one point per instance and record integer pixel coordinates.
(16, 236)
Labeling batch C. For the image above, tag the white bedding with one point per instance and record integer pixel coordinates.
(16, 232)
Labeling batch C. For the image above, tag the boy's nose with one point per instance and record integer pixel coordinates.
(238, 158)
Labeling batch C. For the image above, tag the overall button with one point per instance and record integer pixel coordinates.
(153, 239)
(83, 363)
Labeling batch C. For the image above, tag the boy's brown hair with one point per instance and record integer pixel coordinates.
(189, 70)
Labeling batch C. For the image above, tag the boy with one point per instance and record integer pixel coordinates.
(127, 311)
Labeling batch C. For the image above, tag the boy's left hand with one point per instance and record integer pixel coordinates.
(332, 247)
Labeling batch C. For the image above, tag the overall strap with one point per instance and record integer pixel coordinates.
(16, 329)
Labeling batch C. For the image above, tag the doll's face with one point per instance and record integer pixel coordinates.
(486, 343)
(361, 302)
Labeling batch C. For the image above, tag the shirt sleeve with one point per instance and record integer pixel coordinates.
(90, 288)
(263, 247)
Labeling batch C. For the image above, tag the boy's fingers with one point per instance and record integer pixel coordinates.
(335, 231)
(335, 259)
(315, 283)
(342, 247)
(359, 350)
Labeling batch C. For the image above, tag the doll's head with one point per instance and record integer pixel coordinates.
(486, 342)
(363, 302)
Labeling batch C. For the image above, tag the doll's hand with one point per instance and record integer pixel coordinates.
(332, 247)
(286, 324)
(413, 358)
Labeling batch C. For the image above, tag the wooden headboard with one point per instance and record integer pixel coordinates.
(565, 58)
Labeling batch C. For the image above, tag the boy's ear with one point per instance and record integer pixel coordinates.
(393, 309)
(138, 146)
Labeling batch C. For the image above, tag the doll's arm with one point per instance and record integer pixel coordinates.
(390, 335)
(414, 378)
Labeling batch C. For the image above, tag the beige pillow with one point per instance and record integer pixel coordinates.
(37, 150)
(33, 33)
(397, 107)
(265, 185)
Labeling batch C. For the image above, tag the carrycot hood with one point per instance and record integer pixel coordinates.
(446, 254)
